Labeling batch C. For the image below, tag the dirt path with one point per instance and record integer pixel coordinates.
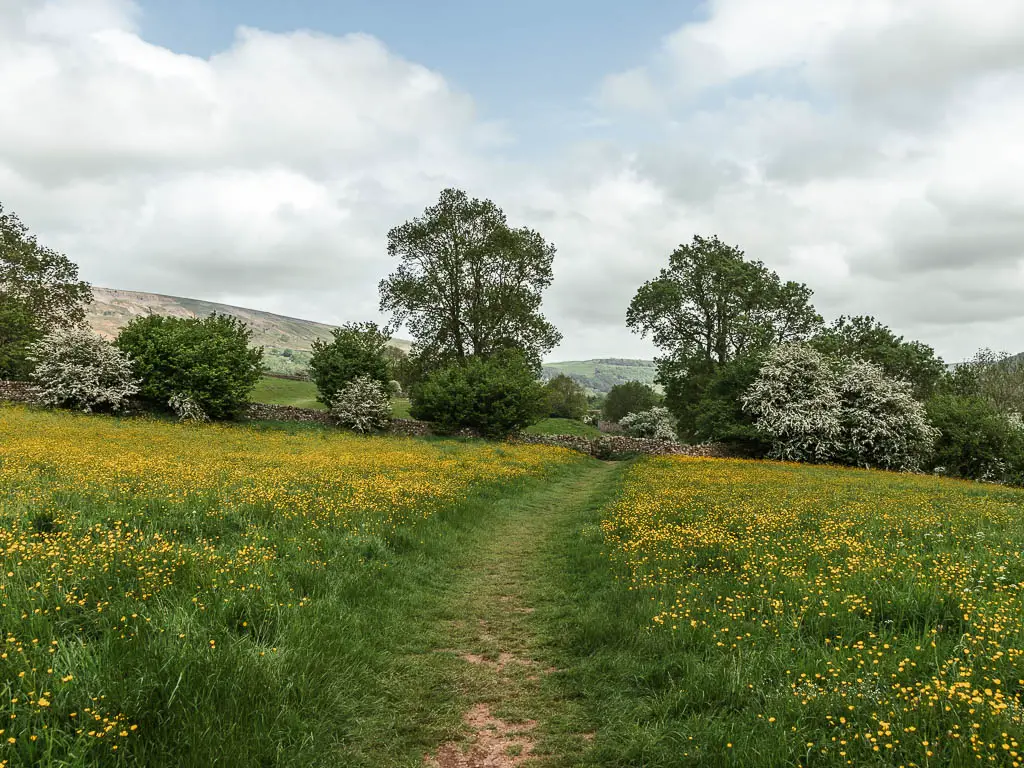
(497, 626)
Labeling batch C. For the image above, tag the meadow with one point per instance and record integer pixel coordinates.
(298, 596)
(178, 595)
(778, 614)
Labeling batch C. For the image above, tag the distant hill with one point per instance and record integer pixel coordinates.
(287, 341)
(599, 376)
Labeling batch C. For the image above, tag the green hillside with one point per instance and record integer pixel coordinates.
(601, 375)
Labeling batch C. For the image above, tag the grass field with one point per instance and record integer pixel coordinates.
(562, 427)
(302, 394)
(778, 615)
(176, 595)
(233, 596)
(275, 391)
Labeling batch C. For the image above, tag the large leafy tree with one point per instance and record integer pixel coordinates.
(39, 291)
(710, 306)
(865, 338)
(468, 284)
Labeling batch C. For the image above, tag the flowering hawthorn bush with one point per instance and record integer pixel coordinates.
(816, 408)
(362, 405)
(655, 423)
(882, 424)
(76, 368)
(187, 408)
(796, 402)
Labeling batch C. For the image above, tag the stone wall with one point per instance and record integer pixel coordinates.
(268, 412)
(615, 446)
(18, 391)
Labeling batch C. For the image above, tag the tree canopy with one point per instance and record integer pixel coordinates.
(468, 284)
(865, 338)
(39, 291)
(711, 305)
(39, 278)
(357, 349)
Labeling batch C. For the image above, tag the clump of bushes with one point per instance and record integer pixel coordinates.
(566, 399)
(355, 350)
(494, 396)
(655, 424)
(208, 360)
(76, 368)
(631, 397)
(362, 405)
(816, 408)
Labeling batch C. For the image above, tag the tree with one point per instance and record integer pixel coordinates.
(209, 360)
(363, 405)
(39, 291)
(795, 401)
(655, 424)
(864, 338)
(709, 307)
(816, 408)
(566, 399)
(18, 331)
(468, 284)
(76, 368)
(997, 377)
(494, 396)
(631, 397)
(719, 416)
(712, 305)
(357, 349)
(975, 440)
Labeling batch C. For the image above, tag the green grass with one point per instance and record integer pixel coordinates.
(275, 391)
(662, 612)
(244, 597)
(563, 427)
(302, 394)
(756, 614)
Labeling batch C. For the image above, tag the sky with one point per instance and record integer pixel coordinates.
(257, 153)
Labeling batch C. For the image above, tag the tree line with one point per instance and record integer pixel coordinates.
(744, 357)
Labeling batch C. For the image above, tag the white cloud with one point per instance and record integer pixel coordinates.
(874, 148)
(866, 147)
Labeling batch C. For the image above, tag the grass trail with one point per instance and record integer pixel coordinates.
(501, 621)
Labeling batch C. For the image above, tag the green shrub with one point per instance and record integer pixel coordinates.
(719, 416)
(495, 396)
(357, 349)
(19, 329)
(566, 399)
(208, 360)
(631, 397)
(976, 441)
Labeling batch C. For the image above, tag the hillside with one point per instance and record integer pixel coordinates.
(601, 375)
(287, 341)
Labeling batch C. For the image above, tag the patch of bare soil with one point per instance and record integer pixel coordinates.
(494, 744)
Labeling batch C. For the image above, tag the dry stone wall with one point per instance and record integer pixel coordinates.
(18, 392)
(613, 446)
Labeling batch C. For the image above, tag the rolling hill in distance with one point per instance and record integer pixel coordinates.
(287, 341)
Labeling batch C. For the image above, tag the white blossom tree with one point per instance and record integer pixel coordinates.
(796, 402)
(817, 408)
(362, 405)
(76, 368)
(882, 424)
(655, 423)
